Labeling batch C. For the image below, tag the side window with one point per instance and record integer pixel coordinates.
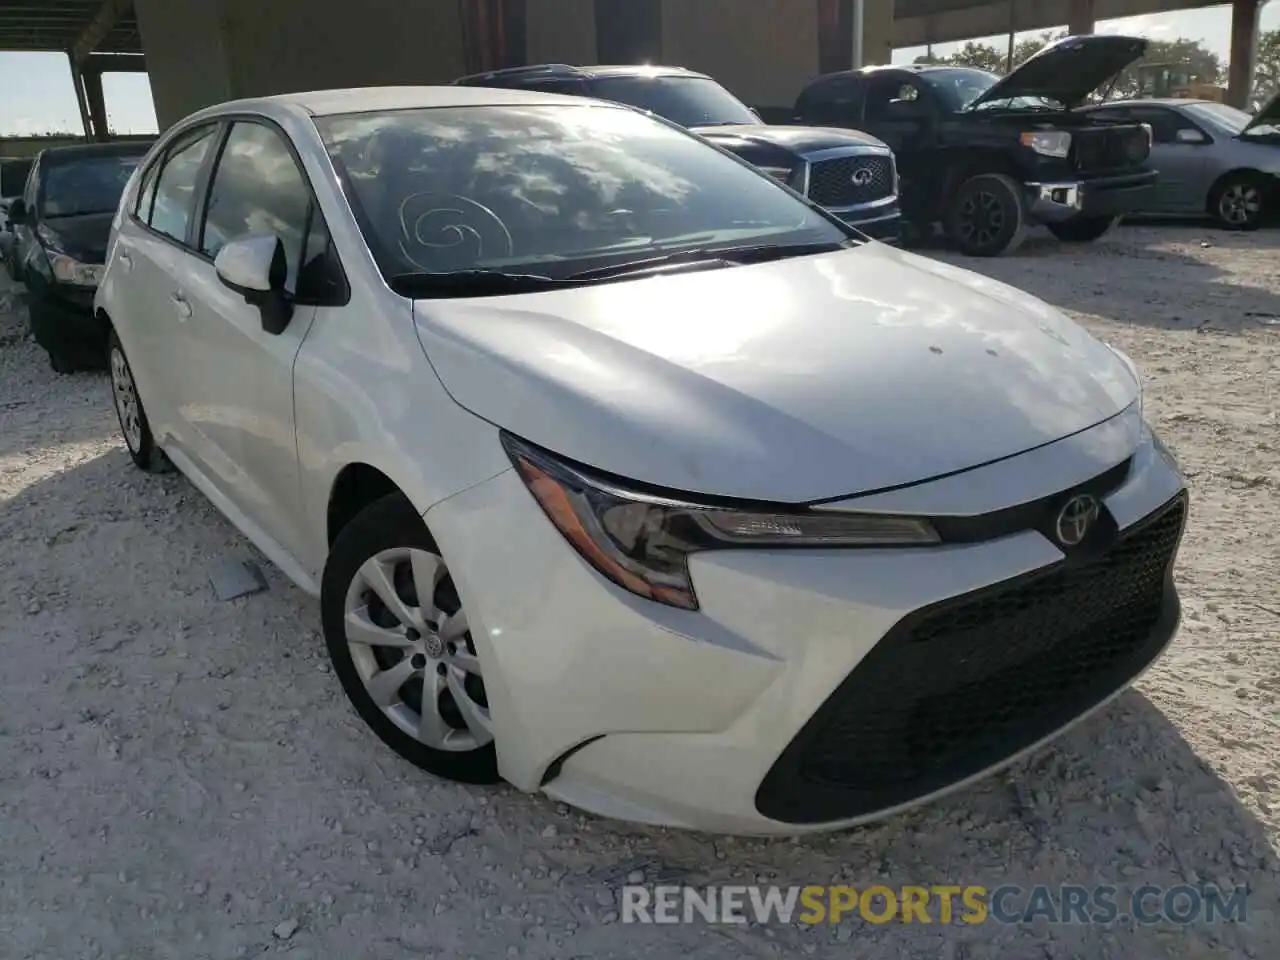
(832, 102)
(175, 189)
(894, 98)
(257, 188)
(1165, 124)
(146, 197)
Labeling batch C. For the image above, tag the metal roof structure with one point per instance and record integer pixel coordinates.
(78, 27)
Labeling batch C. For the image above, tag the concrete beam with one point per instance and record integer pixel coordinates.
(1080, 18)
(103, 22)
(990, 18)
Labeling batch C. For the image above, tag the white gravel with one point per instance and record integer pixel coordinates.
(182, 778)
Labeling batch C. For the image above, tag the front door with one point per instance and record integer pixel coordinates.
(1183, 166)
(239, 378)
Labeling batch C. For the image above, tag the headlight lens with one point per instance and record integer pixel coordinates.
(778, 173)
(642, 541)
(69, 270)
(1048, 143)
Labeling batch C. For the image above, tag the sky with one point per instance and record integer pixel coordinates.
(48, 103)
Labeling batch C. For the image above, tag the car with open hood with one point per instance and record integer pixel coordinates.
(61, 224)
(624, 473)
(1213, 159)
(986, 156)
(850, 173)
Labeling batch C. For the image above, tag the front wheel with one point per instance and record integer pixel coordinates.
(987, 217)
(1239, 202)
(1082, 229)
(399, 640)
(129, 412)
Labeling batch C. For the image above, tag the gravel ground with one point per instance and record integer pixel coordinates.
(182, 778)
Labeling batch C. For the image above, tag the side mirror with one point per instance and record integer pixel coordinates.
(18, 210)
(255, 267)
(1187, 135)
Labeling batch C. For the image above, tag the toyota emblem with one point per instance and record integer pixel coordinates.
(1076, 519)
(862, 176)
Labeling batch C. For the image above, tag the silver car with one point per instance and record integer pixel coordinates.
(1213, 159)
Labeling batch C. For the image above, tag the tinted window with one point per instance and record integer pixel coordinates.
(568, 88)
(257, 188)
(957, 87)
(832, 102)
(147, 193)
(176, 187)
(1165, 124)
(83, 186)
(13, 177)
(893, 98)
(688, 101)
(555, 190)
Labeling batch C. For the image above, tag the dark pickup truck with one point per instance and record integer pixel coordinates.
(850, 174)
(985, 157)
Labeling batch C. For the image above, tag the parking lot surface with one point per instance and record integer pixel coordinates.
(181, 777)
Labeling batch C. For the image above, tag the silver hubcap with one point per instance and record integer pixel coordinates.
(1240, 203)
(126, 397)
(412, 647)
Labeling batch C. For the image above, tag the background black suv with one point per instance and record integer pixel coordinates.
(851, 174)
(986, 156)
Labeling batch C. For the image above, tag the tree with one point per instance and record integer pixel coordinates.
(1201, 64)
(1266, 76)
(980, 55)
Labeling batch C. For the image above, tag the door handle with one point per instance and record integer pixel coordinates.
(125, 259)
(181, 304)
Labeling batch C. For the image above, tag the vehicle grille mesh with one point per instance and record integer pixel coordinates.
(1116, 148)
(956, 687)
(831, 182)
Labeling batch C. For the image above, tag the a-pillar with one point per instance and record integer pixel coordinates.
(1080, 18)
(872, 32)
(1244, 52)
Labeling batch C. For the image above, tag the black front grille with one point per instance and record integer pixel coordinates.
(1109, 148)
(832, 182)
(960, 685)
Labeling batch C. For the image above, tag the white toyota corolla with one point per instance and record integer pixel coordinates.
(624, 473)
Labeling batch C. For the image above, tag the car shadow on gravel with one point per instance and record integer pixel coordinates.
(1139, 276)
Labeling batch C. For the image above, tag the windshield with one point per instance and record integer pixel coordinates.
(1226, 119)
(551, 189)
(688, 101)
(89, 185)
(959, 87)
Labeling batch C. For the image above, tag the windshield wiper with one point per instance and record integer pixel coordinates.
(425, 285)
(726, 256)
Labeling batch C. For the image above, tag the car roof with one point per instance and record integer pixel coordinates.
(85, 151)
(322, 103)
(569, 71)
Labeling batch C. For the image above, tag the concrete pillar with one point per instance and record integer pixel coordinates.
(873, 33)
(1244, 52)
(77, 81)
(96, 103)
(1080, 18)
(561, 31)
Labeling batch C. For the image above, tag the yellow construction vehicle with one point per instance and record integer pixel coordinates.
(1162, 80)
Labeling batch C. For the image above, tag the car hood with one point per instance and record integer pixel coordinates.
(793, 381)
(1267, 116)
(83, 237)
(1068, 70)
(795, 139)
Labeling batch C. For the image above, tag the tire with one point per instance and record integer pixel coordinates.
(1239, 201)
(130, 414)
(987, 217)
(391, 656)
(1082, 229)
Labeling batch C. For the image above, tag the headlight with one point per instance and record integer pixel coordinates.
(1048, 143)
(778, 173)
(642, 541)
(69, 270)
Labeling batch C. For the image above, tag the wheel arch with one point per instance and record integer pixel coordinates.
(354, 487)
(980, 163)
(1269, 180)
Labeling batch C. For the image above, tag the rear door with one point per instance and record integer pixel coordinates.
(152, 248)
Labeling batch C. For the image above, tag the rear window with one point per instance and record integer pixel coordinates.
(687, 101)
(13, 177)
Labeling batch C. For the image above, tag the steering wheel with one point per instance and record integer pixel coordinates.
(435, 226)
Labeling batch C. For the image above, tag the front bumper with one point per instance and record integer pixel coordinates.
(883, 224)
(1052, 202)
(63, 321)
(736, 718)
